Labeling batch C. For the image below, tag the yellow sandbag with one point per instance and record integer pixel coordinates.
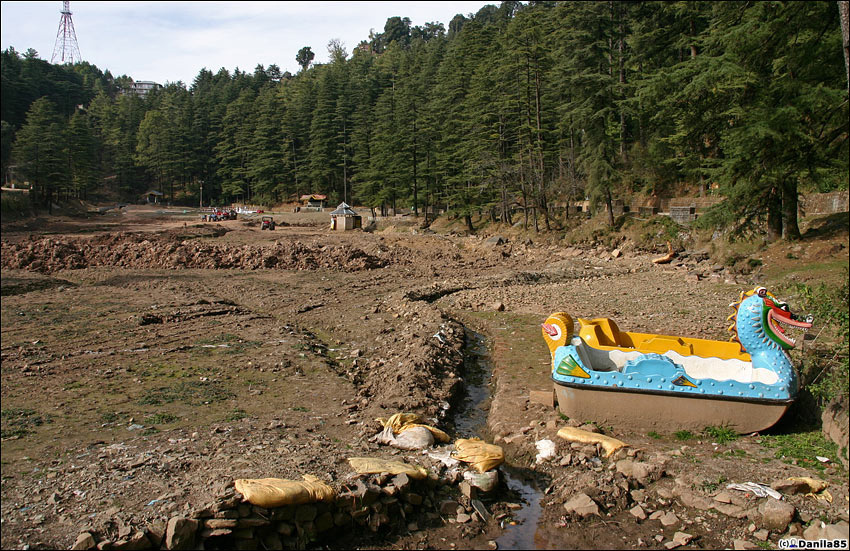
(481, 455)
(276, 492)
(813, 485)
(400, 422)
(374, 465)
(610, 445)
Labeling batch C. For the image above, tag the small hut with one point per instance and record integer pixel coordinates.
(314, 201)
(152, 196)
(345, 218)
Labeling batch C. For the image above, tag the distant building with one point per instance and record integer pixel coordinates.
(314, 201)
(142, 87)
(345, 218)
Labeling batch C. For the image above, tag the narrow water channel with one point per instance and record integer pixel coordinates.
(471, 421)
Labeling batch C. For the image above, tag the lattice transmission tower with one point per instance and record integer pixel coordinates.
(66, 49)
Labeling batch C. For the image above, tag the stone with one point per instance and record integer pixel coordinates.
(272, 542)
(84, 541)
(668, 519)
(401, 481)
(723, 497)
(216, 523)
(545, 397)
(324, 522)
(682, 538)
(180, 533)
(638, 512)
(582, 505)
(413, 499)
(306, 513)
(463, 518)
(644, 473)
(743, 545)
(730, 510)
(208, 533)
(467, 489)
(776, 515)
(691, 499)
(481, 509)
(761, 535)
(448, 507)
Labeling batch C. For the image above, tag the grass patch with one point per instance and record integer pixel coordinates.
(683, 435)
(804, 447)
(720, 435)
(653, 434)
(236, 415)
(18, 422)
(160, 419)
(709, 486)
(193, 393)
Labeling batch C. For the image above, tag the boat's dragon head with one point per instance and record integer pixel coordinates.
(757, 318)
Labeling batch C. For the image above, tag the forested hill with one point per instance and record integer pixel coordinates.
(530, 105)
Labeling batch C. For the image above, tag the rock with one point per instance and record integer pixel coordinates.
(644, 473)
(217, 523)
(776, 515)
(582, 505)
(761, 535)
(730, 510)
(638, 512)
(448, 507)
(481, 509)
(463, 518)
(180, 533)
(498, 306)
(682, 538)
(486, 482)
(401, 481)
(742, 545)
(495, 241)
(84, 541)
(691, 499)
(136, 542)
(616, 253)
(723, 497)
(668, 518)
(545, 397)
(467, 489)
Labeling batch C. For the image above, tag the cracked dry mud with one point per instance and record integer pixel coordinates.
(148, 361)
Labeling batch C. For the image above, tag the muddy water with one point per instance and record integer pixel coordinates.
(471, 421)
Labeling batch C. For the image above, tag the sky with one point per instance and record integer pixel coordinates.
(172, 41)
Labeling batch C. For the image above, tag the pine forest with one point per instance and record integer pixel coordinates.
(511, 114)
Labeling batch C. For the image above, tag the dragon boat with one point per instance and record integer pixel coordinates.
(663, 382)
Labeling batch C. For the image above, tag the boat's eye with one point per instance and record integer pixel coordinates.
(761, 291)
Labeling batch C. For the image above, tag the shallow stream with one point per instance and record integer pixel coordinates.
(471, 421)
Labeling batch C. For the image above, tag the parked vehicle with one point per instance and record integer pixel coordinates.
(267, 223)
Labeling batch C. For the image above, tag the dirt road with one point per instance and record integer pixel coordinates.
(149, 359)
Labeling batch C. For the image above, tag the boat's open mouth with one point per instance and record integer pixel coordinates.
(777, 316)
(552, 330)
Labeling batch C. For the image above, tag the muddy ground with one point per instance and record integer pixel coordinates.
(149, 359)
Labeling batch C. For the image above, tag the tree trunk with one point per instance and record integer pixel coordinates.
(774, 216)
(468, 219)
(610, 204)
(844, 17)
(790, 228)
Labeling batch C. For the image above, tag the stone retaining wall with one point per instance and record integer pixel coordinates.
(368, 504)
